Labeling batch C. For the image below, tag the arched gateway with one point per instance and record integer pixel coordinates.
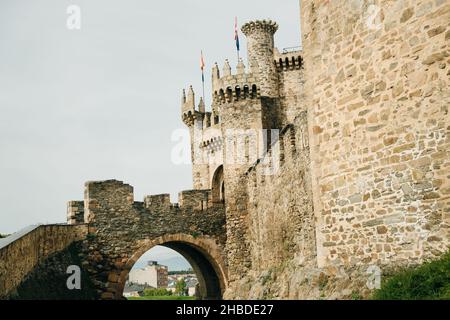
(202, 253)
(122, 230)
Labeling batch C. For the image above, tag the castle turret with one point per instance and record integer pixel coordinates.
(215, 76)
(226, 69)
(201, 106)
(260, 47)
(240, 67)
(190, 100)
(188, 106)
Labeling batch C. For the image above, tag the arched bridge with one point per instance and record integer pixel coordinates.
(118, 231)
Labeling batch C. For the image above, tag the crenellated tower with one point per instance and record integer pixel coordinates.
(248, 107)
(260, 52)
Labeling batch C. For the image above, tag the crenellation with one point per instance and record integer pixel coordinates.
(288, 61)
(195, 199)
(237, 92)
(157, 202)
(251, 27)
(75, 212)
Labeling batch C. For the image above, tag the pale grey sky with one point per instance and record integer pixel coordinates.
(102, 102)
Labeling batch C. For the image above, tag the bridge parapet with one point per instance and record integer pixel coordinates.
(112, 197)
(21, 252)
(119, 227)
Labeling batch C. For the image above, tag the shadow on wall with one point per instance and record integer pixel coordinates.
(48, 281)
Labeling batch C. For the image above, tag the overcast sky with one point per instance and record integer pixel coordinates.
(102, 102)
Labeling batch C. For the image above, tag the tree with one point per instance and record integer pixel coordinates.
(161, 292)
(181, 287)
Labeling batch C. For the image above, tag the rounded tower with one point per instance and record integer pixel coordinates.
(260, 50)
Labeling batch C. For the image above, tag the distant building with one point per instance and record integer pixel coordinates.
(153, 275)
(134, 290)
(191, 283)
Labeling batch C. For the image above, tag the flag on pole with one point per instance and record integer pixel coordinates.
(236, 34)
(202, 66)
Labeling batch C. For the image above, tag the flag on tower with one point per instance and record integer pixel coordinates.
(202, 66)
(236, 34)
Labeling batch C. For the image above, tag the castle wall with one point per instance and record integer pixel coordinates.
(378, 96)
(238, 117)
(26, 251)
(207, 145)
(281, 220)
(121, 230)
(292, 79)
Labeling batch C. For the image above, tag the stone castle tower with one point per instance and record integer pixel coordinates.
(246, 103)
(249, 110)
(357, 147)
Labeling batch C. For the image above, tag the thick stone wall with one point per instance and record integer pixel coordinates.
(373, 188)
(121, 230)
(281, 220)
(292, 79)
(20, 257)
(378, 96)
(48, 280)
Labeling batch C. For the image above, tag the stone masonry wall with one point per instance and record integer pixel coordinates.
(121, 230)
(282, 227)
(292, 79)
(241, 115)
(378, 96)
(374, 188)
(48, 279)
(19, 258)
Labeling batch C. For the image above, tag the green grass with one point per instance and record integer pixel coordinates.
(430, 281)
(162, 298)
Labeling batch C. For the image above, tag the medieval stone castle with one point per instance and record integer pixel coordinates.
(312, 168)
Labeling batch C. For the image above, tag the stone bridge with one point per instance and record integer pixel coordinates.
(117, 231)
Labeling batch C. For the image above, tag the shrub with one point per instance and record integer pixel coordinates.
(161, 292)
(430, 281)
(181, 287)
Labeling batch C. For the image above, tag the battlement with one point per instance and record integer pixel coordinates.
(292, 141)
(75, 212)
(212, 145)
(190, 199)
(227, 77)
(237, 92)
(210, 120)
(233, 87)
(157, 202)
(195, 199)
(190, 114)
(112, 196)
(251, 27)
(286, 61)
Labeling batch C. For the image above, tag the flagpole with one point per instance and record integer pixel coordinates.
(202, 65)
(236, 38)
(203, 81)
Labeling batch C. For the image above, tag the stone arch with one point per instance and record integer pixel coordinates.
(218, 186)
(203, 253)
